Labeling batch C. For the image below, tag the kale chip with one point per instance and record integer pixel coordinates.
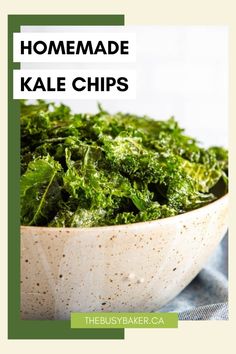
(84, 170)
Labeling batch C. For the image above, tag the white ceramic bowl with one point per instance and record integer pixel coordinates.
(136, 267)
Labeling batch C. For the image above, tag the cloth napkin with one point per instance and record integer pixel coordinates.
(206, 297)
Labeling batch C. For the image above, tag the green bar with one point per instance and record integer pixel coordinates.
(124, 320)
(68, 20)
(37, 329)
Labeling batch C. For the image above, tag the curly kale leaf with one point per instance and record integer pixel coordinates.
(96, 192)
(39, 191)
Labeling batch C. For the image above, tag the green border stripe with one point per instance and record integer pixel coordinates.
(36, 329)
(66, 20)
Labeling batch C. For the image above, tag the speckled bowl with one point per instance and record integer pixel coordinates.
(136, 267)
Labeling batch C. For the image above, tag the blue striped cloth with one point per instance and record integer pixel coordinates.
(206, 297)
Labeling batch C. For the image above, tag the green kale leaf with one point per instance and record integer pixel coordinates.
(39, 191)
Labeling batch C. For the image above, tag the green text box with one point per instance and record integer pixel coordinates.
(123, 320)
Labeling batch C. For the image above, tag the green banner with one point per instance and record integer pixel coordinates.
(123, 320)
(37, 329)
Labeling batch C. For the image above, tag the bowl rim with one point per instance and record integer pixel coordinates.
(170, 219)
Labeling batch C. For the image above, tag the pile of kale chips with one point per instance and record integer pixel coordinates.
(83, 170)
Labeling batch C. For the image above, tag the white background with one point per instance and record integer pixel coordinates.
(94, 37)
(181, 71)
(70, 75)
